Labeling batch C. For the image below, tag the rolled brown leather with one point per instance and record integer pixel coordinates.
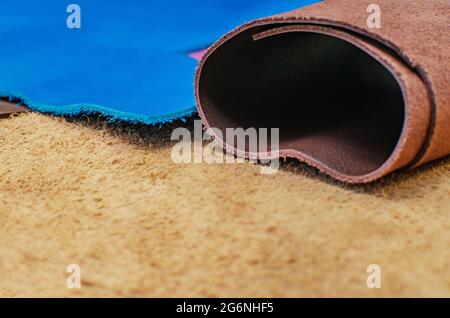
(356, 102)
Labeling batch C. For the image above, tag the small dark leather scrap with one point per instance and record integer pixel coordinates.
(353, 100)
(7, 108)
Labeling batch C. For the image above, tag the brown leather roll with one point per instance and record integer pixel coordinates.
(353, 100)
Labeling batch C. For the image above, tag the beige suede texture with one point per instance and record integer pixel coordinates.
(112, 201)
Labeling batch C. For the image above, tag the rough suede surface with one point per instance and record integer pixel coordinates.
(419, 32)
(140, 225)
(130, 59)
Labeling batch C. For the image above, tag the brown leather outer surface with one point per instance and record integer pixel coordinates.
(7, 108)
(413, 44)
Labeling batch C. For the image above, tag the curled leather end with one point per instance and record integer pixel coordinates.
(348, 101)
(7, 108)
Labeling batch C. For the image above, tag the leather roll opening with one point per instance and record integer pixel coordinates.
(331, 100)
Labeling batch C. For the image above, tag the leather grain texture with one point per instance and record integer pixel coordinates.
(412, 45)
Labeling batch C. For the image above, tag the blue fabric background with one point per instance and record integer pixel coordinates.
(128, 61)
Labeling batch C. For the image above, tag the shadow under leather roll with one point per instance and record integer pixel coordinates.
(356, 103)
